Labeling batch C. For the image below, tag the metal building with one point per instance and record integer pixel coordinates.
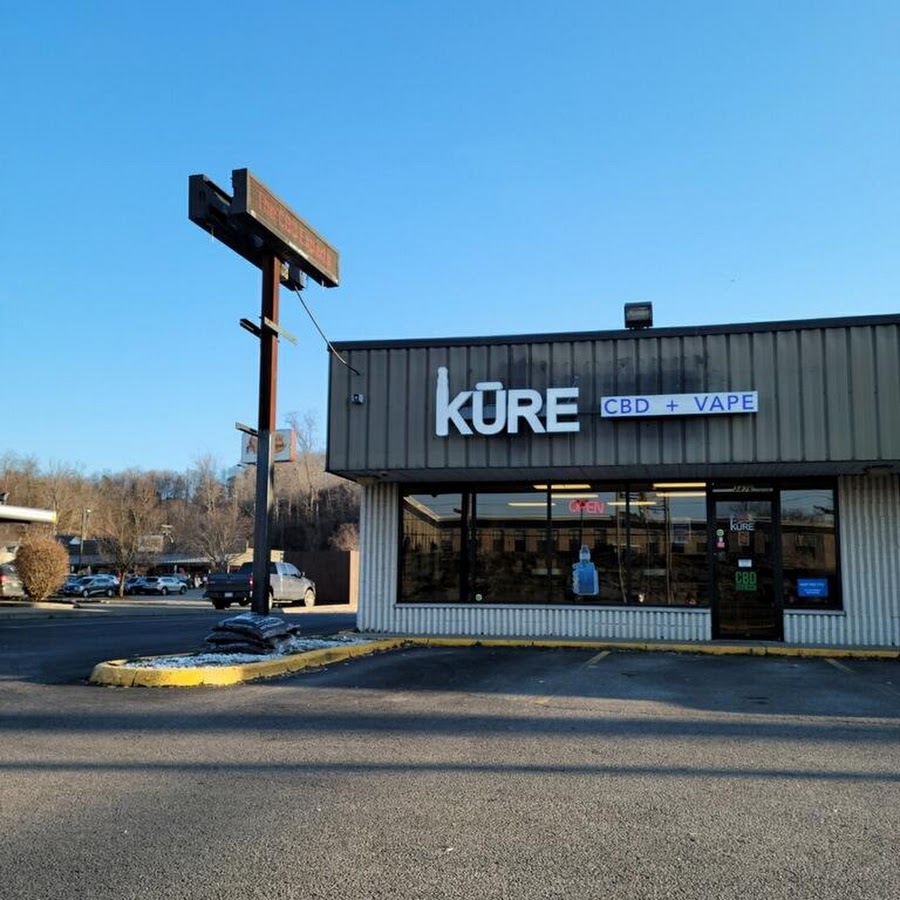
(733, 482)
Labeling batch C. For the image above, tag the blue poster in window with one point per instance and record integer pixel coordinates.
(812, 587)
(585, 582)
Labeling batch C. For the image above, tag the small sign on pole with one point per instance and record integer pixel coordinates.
(284, 447)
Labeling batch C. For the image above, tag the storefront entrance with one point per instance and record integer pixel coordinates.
(746, 604)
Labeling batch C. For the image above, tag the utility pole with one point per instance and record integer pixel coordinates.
(84, 516)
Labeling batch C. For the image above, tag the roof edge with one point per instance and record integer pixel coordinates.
(625, 334)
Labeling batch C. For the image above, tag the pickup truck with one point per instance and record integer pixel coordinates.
(287, 585)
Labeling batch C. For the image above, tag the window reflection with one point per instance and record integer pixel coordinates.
(430, 552)
(509, 536)
(809, 549)
(555, 544)
(668, 562)
(628, 544)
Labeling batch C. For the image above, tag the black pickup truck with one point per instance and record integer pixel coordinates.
(287, 586)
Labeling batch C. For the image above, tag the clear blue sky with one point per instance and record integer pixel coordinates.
(483, 168)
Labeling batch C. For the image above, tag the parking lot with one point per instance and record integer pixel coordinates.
(478, 772)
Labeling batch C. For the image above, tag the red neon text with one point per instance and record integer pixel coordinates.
(592, 507)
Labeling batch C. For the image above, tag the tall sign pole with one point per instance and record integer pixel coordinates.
(264, 230)
(265, 466)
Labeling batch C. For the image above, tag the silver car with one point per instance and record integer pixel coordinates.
(97, 586)
(163, 584)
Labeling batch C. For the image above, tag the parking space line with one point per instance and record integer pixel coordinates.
(840, 665)
(592, 662)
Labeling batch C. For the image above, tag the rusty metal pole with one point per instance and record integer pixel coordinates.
(268, 382)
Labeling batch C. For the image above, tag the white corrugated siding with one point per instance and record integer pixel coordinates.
(379, 612)
(378, 545)
(869, 510)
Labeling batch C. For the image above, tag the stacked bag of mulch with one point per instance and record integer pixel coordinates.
(250, 633)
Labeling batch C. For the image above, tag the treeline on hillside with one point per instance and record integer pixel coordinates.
(135, 514)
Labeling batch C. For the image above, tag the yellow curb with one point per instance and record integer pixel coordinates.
(118, 672)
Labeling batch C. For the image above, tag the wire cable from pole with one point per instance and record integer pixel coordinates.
(328, 343)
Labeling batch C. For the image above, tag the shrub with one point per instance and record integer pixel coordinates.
(42, 563)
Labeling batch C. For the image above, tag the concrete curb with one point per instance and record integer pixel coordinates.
(118, 673)
(667, 647)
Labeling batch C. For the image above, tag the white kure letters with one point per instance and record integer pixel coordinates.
(508, 409)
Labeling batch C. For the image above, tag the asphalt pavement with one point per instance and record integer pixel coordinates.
(458, 773)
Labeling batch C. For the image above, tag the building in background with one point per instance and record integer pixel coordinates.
(14, 520)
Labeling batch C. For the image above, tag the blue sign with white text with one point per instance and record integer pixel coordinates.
(812, 587)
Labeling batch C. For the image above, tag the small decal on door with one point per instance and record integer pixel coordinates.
(744, 580)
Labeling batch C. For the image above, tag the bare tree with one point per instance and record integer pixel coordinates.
(218, 521)
(209, 513)
(345, 537)
(207, 487)
(63, 490)
(310, 468)
(20, 479)
(221, 534)
(129, 512)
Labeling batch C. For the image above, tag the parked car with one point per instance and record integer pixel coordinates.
(10, 583)
(112, 579)
(68, 586)
(134, 584)
(96, 586)
(163, 584)
(72, 587)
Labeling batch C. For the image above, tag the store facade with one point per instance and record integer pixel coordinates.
(721, 483)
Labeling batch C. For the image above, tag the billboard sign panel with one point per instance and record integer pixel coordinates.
(284, 447)
(295, 240)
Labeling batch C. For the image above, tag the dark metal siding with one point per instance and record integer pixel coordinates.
(828, 396)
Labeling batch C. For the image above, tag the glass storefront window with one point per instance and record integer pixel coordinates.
(809, 549)
(588, 546)
(509, 536)
(554, 544)
(431, 548)
(668, 560)
(629, 544)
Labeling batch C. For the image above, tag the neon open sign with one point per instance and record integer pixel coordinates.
(590, 507)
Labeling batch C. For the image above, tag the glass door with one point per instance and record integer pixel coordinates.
(746, 604)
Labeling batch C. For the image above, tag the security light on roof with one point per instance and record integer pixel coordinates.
(638, 315)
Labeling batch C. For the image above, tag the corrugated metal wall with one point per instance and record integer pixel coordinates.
(826, 394)
(379, 612)
(869, 510)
